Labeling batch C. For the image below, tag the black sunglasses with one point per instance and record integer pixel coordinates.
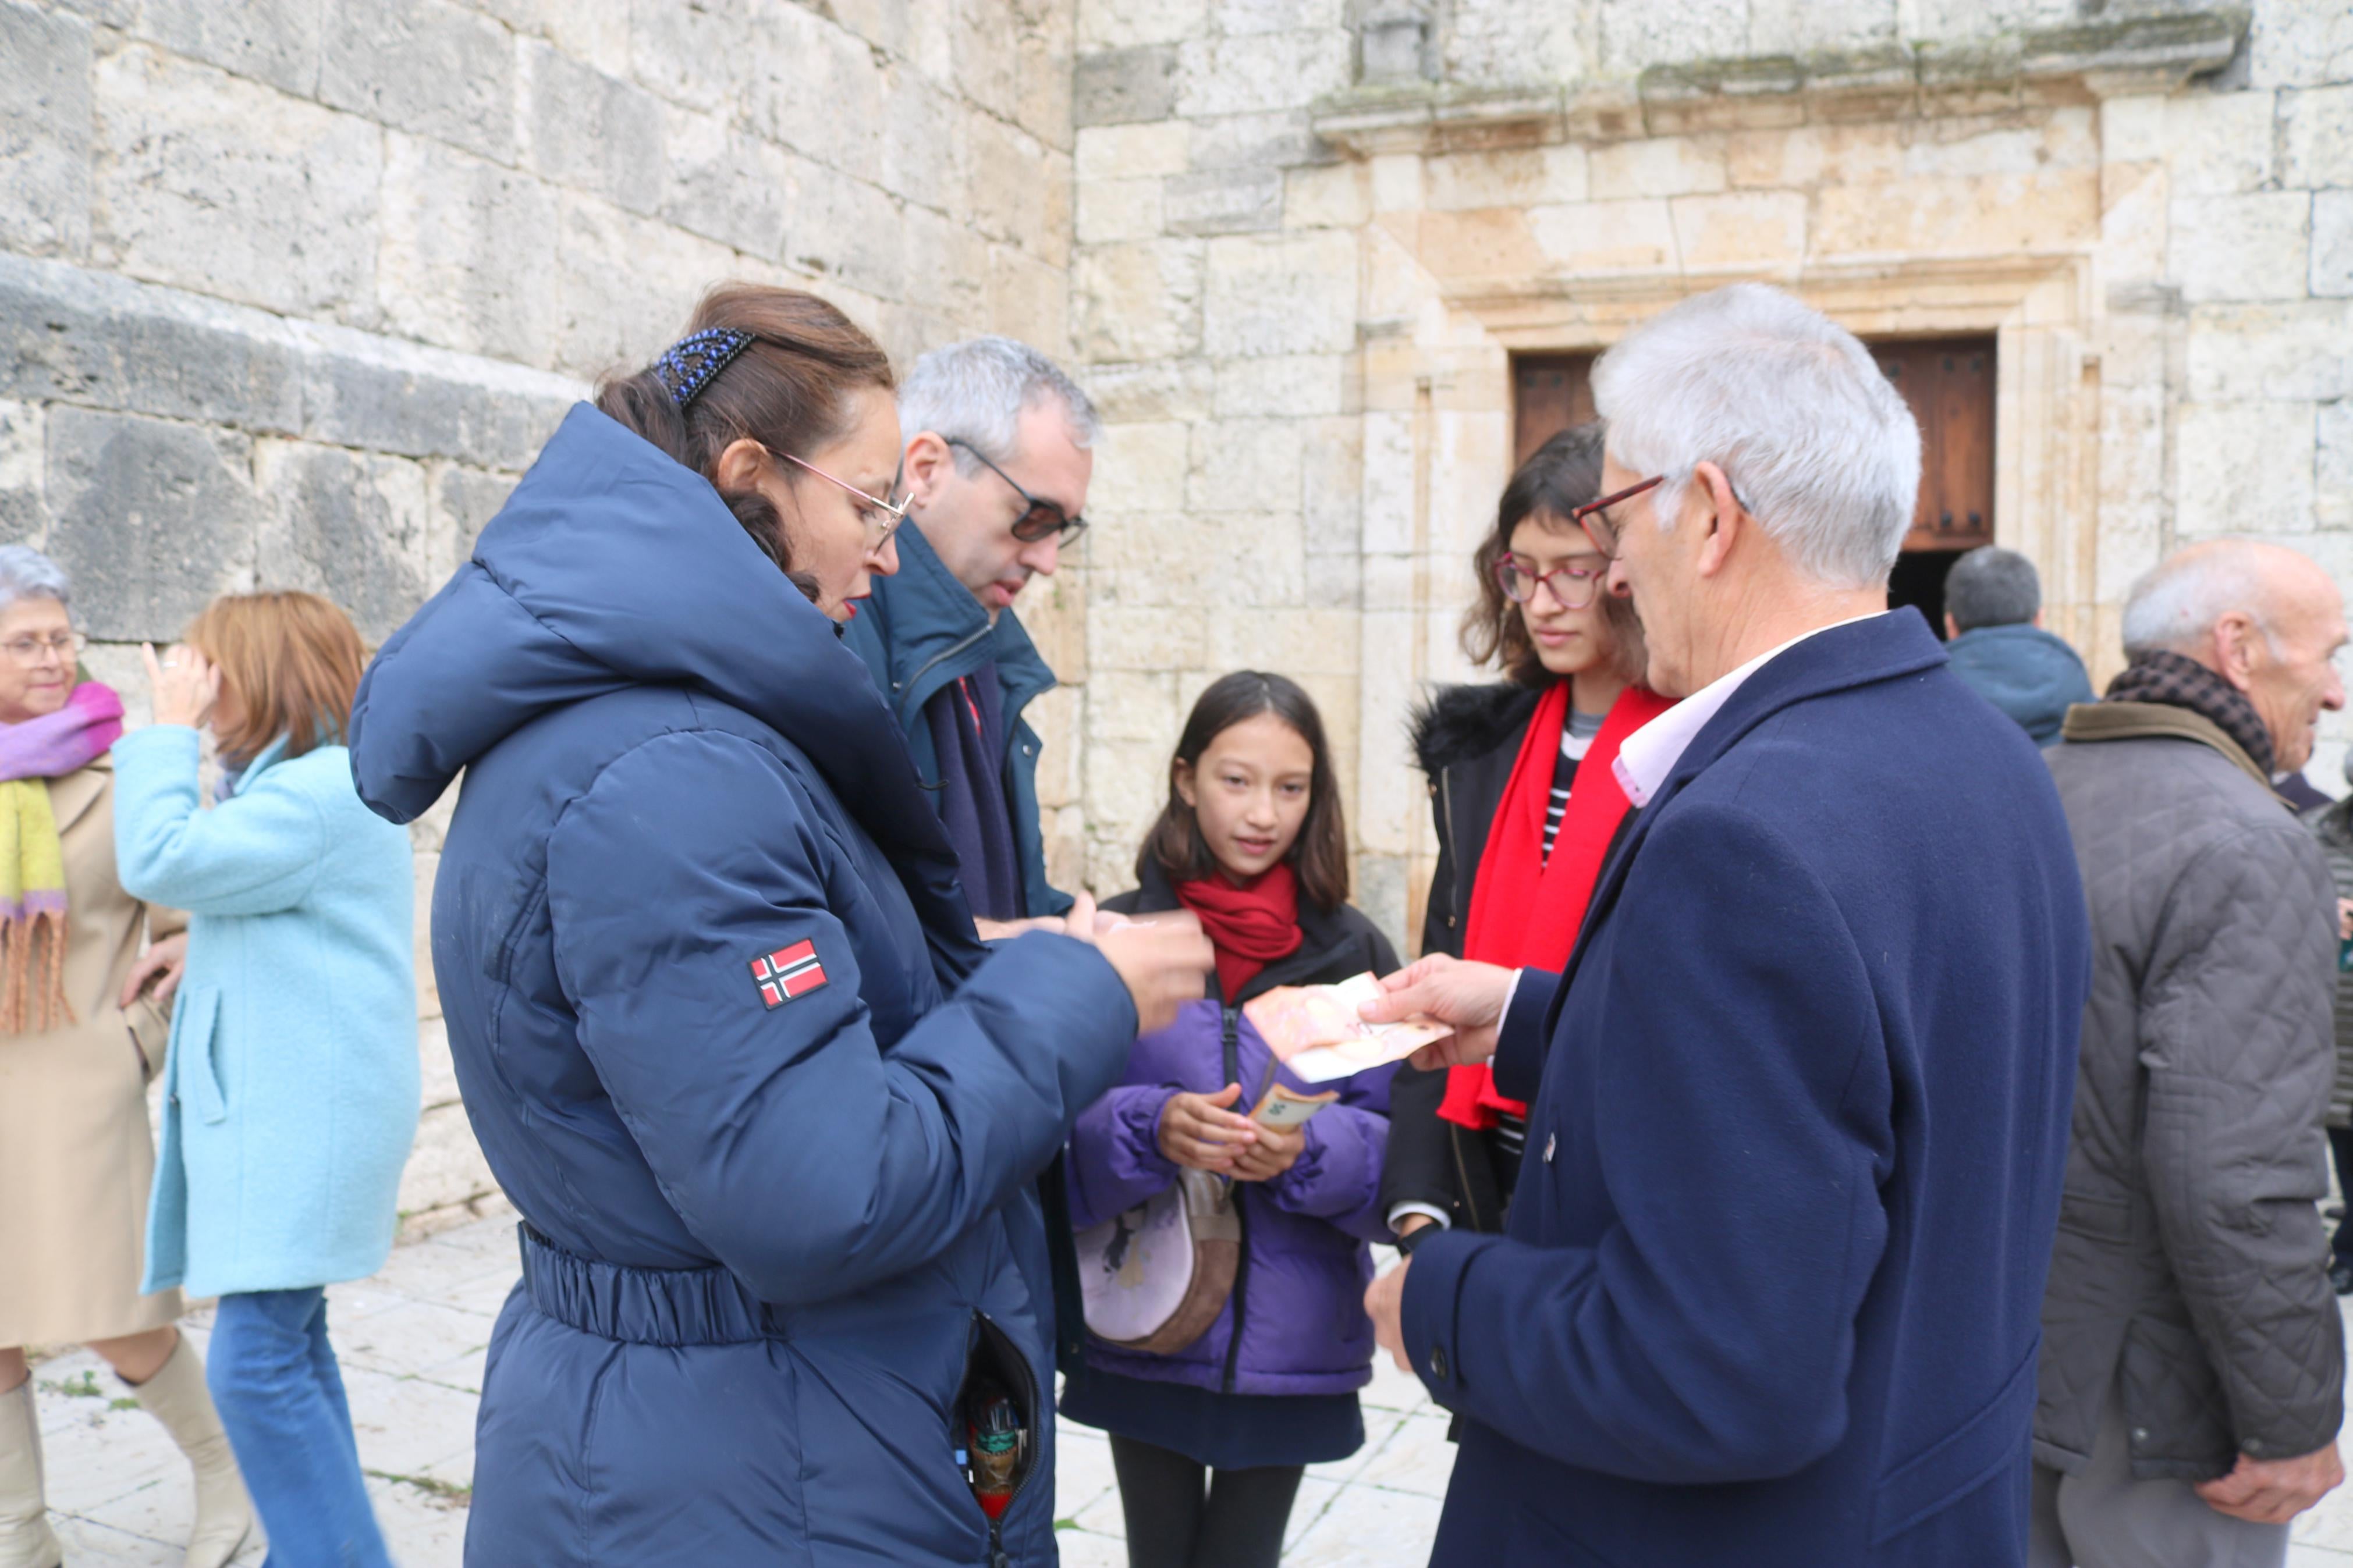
(1041, 518)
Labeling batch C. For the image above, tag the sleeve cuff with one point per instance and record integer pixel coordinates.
(1427, 1320)
(1520, 1039)
(1398, 1212)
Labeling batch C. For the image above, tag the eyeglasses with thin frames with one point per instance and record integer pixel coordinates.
(1594, 516)
(1039, 517)
(29, 652)
(1573, 588)
(877, 533)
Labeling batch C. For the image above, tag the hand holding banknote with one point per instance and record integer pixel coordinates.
(1470, 997)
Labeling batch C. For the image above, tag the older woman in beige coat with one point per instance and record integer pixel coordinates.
(82, 1029)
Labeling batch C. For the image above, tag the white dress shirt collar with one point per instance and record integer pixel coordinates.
(1647, 756)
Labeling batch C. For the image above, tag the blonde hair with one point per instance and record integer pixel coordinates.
(293, 662)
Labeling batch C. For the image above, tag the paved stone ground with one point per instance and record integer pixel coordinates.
(412, 1340)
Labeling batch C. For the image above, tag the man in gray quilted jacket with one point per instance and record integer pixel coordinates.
(2193, 1363)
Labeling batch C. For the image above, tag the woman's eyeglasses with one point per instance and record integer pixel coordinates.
(27, 652)
(1041, 518)
(881, 518)
(1575, 587)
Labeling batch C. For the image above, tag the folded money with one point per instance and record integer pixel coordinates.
(1315, 1030)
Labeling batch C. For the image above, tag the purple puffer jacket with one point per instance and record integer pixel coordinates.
(1299, 1293)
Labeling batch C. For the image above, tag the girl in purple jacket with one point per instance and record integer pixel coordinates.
(1251, 840)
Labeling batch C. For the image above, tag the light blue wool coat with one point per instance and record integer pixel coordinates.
(290, 1093)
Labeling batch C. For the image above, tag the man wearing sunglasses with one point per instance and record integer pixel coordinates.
(995, 478)
(1770, 1287)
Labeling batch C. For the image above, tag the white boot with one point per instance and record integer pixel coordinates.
(25, 1539)
(178, 1397)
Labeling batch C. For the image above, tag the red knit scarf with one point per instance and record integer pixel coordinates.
(1526, 909)
(1250, 926)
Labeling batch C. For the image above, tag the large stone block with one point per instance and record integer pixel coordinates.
(232, 189)
(152, 518)
(1331, 490)
(1160, 389)
(1124, 24)
(594, 32)
(1111, 212)
(469, 249)
(2242, 467)
(354, 528)
(463, 500)
(1638, 33)
(1316, 641)
(1134, 152)
(843, 228)
(2300, 43)
(273, 41)
(1740, 230)
(923, 152)
(1594, 236)
(625, 285)
(1296, 294)
(1804, 156)
(1140, 468)
(45, 119)
(1244, 465)
(1011, 180)
(2297, 352)
(1138, 302)
(590, 130)
(2332, 243)
(2317, 137)
(1969, 217)
(1974, 147)
(1260, 72)
(1804, 26)
(817, 89)
(2219, 144)
(1329, 196)
(988, 52)
(422, 66)
(1223, 201)
(1123, 87)
(725, 184)
(2333, 467)
(1508, 176)
(1662, 166)
(24, 436)
(1281, 139)
(1141, 639)
(96, 339)
(388, 395)
(947, 264)
(1028, 298)
(1282, 386)
(2251, 246)
(701, 56)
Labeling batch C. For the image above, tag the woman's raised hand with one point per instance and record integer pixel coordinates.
(181, 686)
(1203, 1131)
(1162, 958)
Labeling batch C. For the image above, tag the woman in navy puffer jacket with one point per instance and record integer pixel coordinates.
(1252, 842)
(770, 1112)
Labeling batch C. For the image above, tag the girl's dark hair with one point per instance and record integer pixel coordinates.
(789, 391)
(1319, 855)
(1559, 477)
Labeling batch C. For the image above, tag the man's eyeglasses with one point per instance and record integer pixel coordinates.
(1041, 518)
(1594, 516)
(29, 652)
(881, 518)
(1575, 587)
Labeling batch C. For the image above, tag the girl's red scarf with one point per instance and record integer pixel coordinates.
(1251, 926)
(1526, 909)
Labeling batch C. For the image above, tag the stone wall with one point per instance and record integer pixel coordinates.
(290, 291)
(1311, 232)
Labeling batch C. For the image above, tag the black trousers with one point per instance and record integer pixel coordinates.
(2340, 1145)
(1182, 1515)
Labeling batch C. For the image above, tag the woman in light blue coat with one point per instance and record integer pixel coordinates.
(292, 1085)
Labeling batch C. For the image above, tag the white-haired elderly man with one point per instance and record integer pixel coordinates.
(1769, 1291)
(994, 474)
(2193, 1361)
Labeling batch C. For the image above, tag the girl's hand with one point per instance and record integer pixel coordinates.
(1275, 1151)
(162, 964)
(181, 686)
(1201, 1131)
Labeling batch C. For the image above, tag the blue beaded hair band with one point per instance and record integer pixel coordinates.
(687, 366)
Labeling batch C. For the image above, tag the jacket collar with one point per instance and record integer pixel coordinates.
(268, 757)
(1322, 932)
(933, 630)
(1859, 653)
(2092, 722)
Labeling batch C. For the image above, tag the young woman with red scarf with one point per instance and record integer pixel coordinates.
(1210, 1440)
(1527, 808)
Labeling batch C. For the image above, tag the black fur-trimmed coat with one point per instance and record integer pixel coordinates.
(1466, 739)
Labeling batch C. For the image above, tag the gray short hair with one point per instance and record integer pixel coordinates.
(1818, 448)
(975, 391)
(1990, 586)
(27, 573)
(2175, 603)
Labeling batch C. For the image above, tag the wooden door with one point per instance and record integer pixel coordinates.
(1550, 392)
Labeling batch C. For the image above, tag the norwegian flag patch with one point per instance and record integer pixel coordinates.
(788, 973)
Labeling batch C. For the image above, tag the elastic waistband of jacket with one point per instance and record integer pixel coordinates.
(640, 1306)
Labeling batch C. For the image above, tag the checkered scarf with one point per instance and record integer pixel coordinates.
(2182, 682)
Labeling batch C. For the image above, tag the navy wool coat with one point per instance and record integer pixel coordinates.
(770, 1113)
(1770, 1289)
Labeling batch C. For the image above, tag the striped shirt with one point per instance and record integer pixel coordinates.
(1576, 739)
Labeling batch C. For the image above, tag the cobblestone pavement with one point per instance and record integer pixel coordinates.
(412, 1340)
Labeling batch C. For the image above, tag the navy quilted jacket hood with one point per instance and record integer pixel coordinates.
(770, 1112)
